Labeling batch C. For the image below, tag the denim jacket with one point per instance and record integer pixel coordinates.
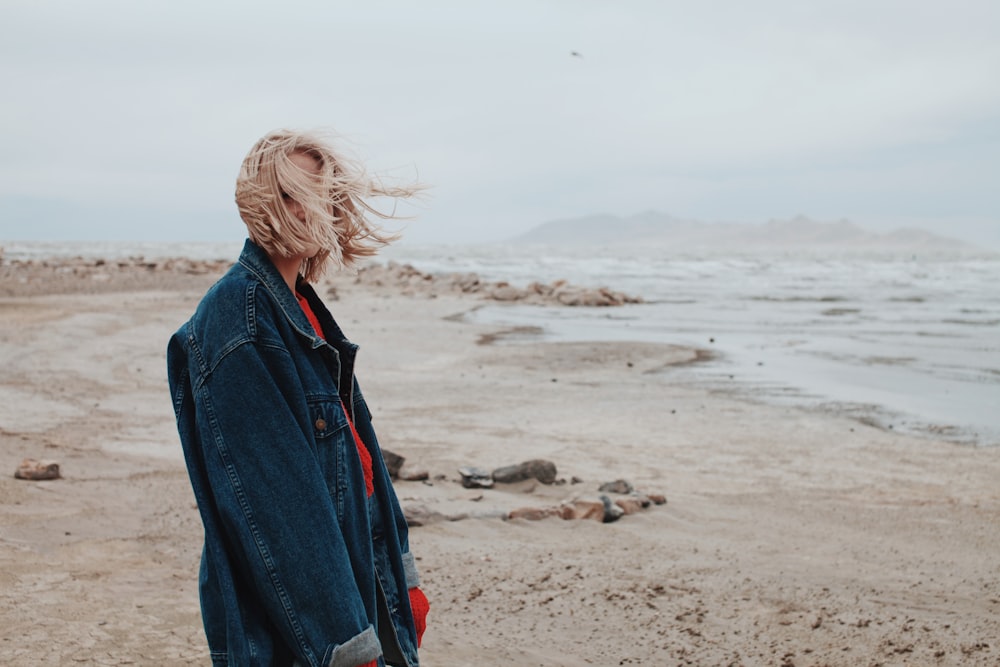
(299, 566)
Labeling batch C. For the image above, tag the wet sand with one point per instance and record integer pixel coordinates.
(790, 537)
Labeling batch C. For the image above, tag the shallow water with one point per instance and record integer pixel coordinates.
(908, 343)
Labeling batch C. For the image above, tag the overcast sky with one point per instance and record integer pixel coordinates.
(128, 120)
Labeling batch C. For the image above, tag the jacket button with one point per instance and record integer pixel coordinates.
(320, 424)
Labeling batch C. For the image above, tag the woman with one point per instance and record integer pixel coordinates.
(306, 559)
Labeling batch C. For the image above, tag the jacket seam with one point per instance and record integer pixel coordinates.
(251, 313)
(206, 372)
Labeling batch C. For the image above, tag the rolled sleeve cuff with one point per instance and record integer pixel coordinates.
(410, 570)
(358, 650)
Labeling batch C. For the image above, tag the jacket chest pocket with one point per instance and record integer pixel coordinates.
(333, 437)
(327, 416)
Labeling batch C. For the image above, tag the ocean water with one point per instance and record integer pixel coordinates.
(904, 342)
(910, 343)
(25, 250)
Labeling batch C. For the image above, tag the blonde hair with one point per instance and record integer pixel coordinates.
(333, 201)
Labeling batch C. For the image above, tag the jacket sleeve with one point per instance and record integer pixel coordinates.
(276, 512)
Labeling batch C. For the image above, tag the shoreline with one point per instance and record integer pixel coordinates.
(78, 274)
(789, 537)
(864, 413)
(42, 275)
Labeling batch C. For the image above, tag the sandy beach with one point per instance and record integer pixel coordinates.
(790, 537)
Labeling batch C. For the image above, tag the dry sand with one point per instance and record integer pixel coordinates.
(790, 537)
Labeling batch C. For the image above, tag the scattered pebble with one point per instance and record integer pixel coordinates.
(37, 470)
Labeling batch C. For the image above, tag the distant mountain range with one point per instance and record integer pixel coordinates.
(660, 230)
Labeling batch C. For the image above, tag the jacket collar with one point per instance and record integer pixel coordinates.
(257, 262)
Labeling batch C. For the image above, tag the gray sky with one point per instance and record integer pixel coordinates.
(128, 120)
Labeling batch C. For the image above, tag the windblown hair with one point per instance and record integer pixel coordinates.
(334, 201)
